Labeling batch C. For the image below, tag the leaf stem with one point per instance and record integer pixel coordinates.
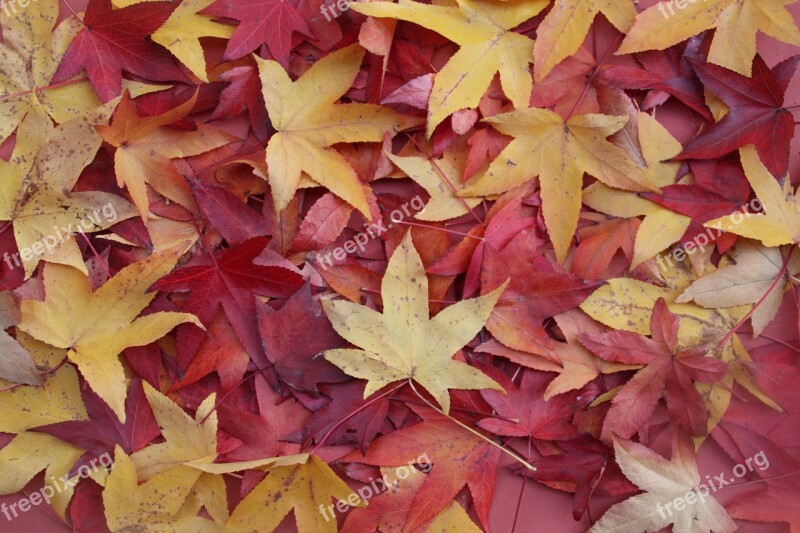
(506, 451)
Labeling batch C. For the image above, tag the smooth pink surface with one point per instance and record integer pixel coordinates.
(543, 510)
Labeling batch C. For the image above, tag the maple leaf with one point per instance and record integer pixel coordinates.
(563, 30)
(102, 432)
(780, 222)
(482, 29)
(389, 511)
(35, 193)
(306, 488)
(345, 398)
(756, 115)
(459, 458)
(736, 23)
(667, 371)
(100, 324)
(181, 33)
(664, 482)
(145, 148)
(189, 451)
(664, 74)
(538, 289)
(228, 279)
(24, 81)
(157, 504)
(309, 122)
(288, 346)
(114, 40)
(534, 416)
(559, 152)
(403, 343)
(261, 21)
(626, 304)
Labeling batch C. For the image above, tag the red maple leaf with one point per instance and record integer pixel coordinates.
(230, 279)
(459, 458)
(664, 73)
(114, 40)
(261, 21)
(668, 371)
(345, 398)
(288, 344)
(536, 417)
(539, 288)
(756, 115)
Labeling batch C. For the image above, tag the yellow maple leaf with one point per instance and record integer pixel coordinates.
(564, 28)
(181, 33)
(29, 56)
(306, 488)
(780, 222)
(664, 483)
(35, 191)
(736, 24)
(482, 28)
(158, 504)
(96, 326)
(145, 148)
(559, 152)
(191, 443)
(403, 343)
(309, 122)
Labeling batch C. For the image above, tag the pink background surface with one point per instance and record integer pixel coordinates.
(543, 509)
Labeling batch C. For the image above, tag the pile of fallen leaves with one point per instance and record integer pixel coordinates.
(262, 255)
